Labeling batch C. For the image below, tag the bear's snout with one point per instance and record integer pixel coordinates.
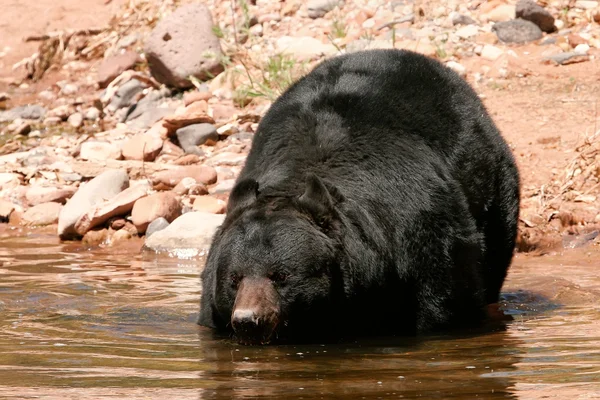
(255, 311)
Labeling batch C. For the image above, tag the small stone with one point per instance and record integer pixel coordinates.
(10, 180)
(491, 53)
(118, 205)
(183, 44)
(467, 31)
(171, 177)
(586, 4)
(46, 95)
(223, 187)
(125, 96)
(190, 235)
(457, 67)
(195, 113)
(91, 114)
(183, 187)
(69, 89)
(42, 214)
(460, 19)
(75, 120)
(188, 159)
(147, 209)
(103, 187)
(142, 147)
(209, 204)
(192, 136)
(304, 48)
(503, 12)
(582, 48)
(194, 96)
(38, 195)
(157, 225)
(575, 40)
(517, 31)
(6, 209)
(570, 57)
(318, 8)
(52, 121)
(117, 223)
(114, 66)
(529, 10)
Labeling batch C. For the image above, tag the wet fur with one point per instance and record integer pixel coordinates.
(418, 221)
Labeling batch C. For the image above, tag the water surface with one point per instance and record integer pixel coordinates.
(108, 323)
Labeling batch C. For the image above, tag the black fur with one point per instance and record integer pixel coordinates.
(379, 194)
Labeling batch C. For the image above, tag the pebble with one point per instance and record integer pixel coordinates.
(75, 120)
(95, 150)
(491, 53)
(91, 114)
(142, 147)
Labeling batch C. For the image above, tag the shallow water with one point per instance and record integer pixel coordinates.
(106, 323)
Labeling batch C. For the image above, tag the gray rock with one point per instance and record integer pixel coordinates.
(183, 44)
(103, 187)
(192, 136)
(189, 235)
(460, 19)
(517, 31)
(157, 225)
(125, 95)
(34, 112)
(147, 111)
(318, 8)
(530, 11)
(569, 57)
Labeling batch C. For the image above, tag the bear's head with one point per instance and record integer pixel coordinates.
(273, 267)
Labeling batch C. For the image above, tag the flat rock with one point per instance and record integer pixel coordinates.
(93, 150)
(142, 147)
(190, 235)
(517, 31)
(42, 214)
(157, 225)
(183, 44)
(195, 113)
(121, 204)
(529, 10)
(113, 66)
(192, 136)
(200, 173)
(570, 57)
(157, 205)
(32, 112)
(318, 8)
(106, 185)
(209, 204)
(39, 194)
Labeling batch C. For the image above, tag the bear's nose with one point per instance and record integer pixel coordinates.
(249, 327)
(244, 317)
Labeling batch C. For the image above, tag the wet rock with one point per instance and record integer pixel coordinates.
(6, 209)
(9, 180)
(120, 236)
(42, 214)
(171, 177)
(529, 10)
(318, 8)
(157, 225)
(126, 94)
(114, 66)
(209, 204)
(157, 205)
(189, 235)
(75, 120)
(304, 48)
(96, 238)
(460, 19)
(38, 195)
(32, 112)
(183, 44)
(93, 150)
(106, 185)
(118, 205)
(191, 136)
(517, 31)
(142, 147)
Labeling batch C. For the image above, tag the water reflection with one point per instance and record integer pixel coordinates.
(107, 323)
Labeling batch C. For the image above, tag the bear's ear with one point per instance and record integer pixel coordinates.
(243, 195)
(317, 200)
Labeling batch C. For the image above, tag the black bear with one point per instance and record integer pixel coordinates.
(378, 198)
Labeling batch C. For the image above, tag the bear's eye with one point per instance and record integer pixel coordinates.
(235, 280)
(278, 276)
